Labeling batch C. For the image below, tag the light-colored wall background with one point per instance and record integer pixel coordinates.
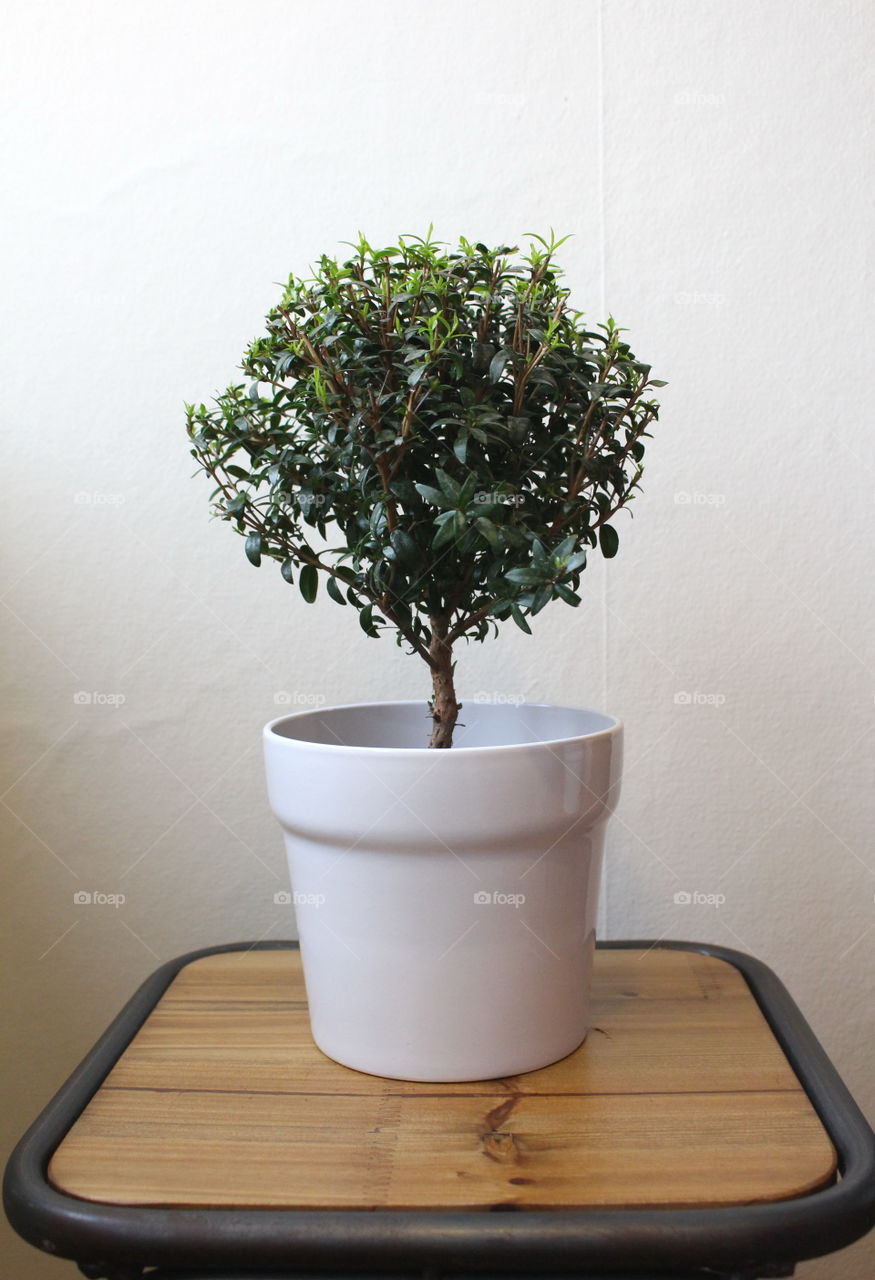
(164, 164)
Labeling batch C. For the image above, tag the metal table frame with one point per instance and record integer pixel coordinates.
(741, 1242)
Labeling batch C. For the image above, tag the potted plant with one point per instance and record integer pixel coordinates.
(436, 435)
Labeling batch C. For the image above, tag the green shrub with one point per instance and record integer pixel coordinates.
(438, 435)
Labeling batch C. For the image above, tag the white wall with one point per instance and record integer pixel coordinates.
(166, 163)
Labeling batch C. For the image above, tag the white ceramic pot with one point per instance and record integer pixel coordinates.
(446, 900)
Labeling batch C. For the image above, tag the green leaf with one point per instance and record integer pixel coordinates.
(517, 429)
(449, 487)
(446, 533)
(566, 594)
(609, 541)
(434, 496)
(489, 531)
(252, 547)
(517, 614)
(497, 363)
(467, 491)
(541, 599)
(368, 623)
(524, 577)
(334, 591)
(308, 582)
(407, 553)
(286, 569)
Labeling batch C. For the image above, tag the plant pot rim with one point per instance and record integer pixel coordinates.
(611, 726)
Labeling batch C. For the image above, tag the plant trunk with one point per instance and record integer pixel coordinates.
(444, 707)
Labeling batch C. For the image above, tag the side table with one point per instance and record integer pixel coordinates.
(699, 1130)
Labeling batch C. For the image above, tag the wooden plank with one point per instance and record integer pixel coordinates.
(680, 1096)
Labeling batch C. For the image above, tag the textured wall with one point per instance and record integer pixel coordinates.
(166, 163)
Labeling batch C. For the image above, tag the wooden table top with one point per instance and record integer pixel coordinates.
(679, 1097)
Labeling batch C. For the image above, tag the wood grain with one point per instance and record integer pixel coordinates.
(680, 1096)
